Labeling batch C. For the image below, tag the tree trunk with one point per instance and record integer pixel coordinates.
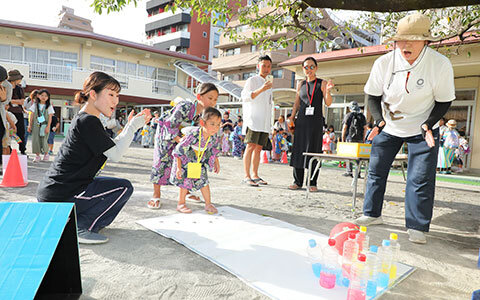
(388, 5)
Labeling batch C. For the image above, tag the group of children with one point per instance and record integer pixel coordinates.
(232, 140)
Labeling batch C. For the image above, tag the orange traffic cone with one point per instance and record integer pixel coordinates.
(284, 157)
(13, 176)
(264, 158)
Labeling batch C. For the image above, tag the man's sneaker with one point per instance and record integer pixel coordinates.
(346, 174)
(367, 221)
(416, 236)
(90, 238)
(50, 152)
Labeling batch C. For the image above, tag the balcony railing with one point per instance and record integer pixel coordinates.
(162, 87)
(50, 72)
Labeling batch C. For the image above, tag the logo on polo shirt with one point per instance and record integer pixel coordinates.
(420, 83)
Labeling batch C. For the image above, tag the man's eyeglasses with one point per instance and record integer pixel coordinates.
(309, 67)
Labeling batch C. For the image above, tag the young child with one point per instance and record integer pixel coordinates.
(326, 142)
(461, 153)
(238, 145)
(10, 130)
(197, 150)
(39, 125)
(226, 142)
(168, 135)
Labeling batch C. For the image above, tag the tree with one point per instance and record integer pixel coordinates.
(304, 18)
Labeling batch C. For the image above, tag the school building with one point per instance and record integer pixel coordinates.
(350, 68)
(59, 59)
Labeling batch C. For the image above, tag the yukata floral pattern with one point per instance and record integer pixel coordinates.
(168, 128)
(185, 150)
(238, 145)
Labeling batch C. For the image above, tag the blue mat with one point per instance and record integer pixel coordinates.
(29, 236)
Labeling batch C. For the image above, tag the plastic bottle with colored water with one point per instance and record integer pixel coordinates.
(314, 252)
(330, 266)
(385, 255)
(395, 254)
(358, 281)
(373, 265)
(363, 240)
(350, 254)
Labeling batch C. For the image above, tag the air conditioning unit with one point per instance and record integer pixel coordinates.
(172, 48)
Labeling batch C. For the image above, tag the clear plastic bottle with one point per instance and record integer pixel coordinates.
(385, 255)
(363, 240)
(330, 266)
(350, 254)
(358, 281)
(395, 253)
(315, 257)
(373, 266)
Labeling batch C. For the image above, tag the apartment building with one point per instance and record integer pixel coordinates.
(60, 59)
(179, 31)
(69, 20)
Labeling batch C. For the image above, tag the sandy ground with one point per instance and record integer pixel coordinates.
(139, 264)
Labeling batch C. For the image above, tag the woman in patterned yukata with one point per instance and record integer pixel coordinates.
(198, 149)
(168, 136)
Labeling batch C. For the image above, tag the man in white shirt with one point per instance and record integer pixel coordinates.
(257, 107)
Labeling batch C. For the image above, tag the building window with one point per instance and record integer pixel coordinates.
(61, 58)
(295, 47)
(300, 47)
(228, 77)
(253, 48)
(232, 51)
(183, 27)
(292, 84)
(247, 75)
(277, 73)
(204, 57)
(216, 38)
(102, 64)
(204, 34)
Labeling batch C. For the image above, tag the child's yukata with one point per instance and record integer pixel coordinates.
(187, 150)
(238, 145)
(168, 128)
(225, 142)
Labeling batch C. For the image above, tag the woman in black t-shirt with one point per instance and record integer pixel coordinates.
(73, 175)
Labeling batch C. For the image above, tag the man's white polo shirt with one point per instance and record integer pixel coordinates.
(257, 113)
(409, 97)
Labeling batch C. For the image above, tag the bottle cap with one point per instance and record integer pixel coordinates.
(363, 229)
(393, 236)
(373, 249)
(386, 243)
(362, 257)
(352, 235)
(312, 243)
(331, 242)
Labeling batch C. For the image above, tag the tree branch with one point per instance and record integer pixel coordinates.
(388, 5)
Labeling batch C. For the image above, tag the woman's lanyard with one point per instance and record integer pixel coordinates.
(313, 92)
(310, 110)
(200, 151)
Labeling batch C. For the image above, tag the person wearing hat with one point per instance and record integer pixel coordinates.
(353, 130)
(16, 105)
(451, 141)
(409, 90)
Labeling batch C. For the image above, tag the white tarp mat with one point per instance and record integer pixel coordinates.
(267, 254)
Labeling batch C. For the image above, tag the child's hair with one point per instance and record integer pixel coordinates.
(205, 88)
(210, 112)
(47, 103)
(240, 120)
(97, 81)
(33, 95)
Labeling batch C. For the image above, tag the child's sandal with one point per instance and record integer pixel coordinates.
(210, 209)
(154, 203)
(182, 208)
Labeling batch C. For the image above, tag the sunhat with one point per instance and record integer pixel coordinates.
(3, 74)
(354, 106)
(452, 123)
(414, 27)
(14, 75)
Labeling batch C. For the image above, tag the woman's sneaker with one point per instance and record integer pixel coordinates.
(36, 159)
(46, 157)
(90, 238)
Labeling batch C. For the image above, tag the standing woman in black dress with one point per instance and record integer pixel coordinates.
(309, 123)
